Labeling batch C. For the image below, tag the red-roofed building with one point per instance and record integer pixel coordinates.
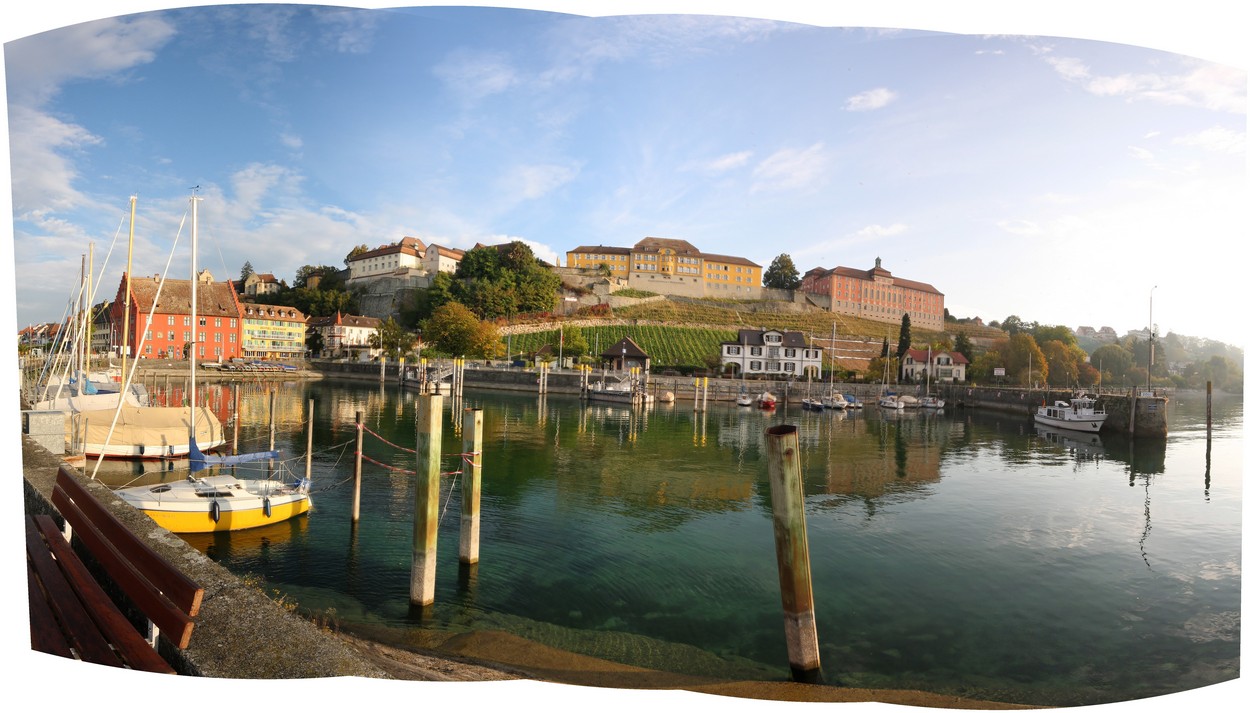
(878, 295)
(218, 335)
(940, 365)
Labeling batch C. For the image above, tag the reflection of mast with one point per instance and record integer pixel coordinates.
(1141, 544)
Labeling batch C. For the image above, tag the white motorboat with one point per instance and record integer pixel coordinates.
(932, 402)
(1079, 415)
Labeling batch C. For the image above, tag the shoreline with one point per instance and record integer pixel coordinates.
(499, 656)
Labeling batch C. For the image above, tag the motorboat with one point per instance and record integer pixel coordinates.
(766, 401)
(932, 402)
(1078, 415)
(889, 401)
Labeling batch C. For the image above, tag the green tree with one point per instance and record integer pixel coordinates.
(575, 342)
(782, 274)
(362, 248)
(1113, 361)
(1045, 333)
(885, 347)
(904, 343)
(392, 339)
(314, 342)
(453, 329)
(981, 369)
(1026, 365)
(247, 271)
(480, 263)
(963, 345)
(1061, 362)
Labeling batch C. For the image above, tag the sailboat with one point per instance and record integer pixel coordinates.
(887, 399)
(144, 431)
(930, 400)
(67, 384)
(834, 400)
(218, 502)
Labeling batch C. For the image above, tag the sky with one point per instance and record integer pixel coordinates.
(1070, 163)
(1081, 182)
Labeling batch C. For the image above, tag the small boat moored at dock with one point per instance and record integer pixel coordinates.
(1078, 415)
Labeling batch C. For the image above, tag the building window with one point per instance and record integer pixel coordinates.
(217, 322)
(790, 366)
(756, 351)
(755, 366)
(734, 350)
(171, 319)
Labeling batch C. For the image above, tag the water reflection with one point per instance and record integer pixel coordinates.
(963, 550)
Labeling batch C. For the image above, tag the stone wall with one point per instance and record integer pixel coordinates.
(1144, 417)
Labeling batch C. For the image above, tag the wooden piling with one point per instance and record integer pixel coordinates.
(360, 444)
(308, 452)
(1208, 410)
(425, 508)
(793, 565)
(471, 488)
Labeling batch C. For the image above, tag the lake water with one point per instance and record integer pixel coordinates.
(963, 552)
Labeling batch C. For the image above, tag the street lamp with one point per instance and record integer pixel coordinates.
(1151, 326)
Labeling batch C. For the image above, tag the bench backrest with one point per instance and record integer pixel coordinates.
(163, 593)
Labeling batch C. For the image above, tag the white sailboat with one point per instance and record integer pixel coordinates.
(930, 400)
(144, 431)
(219, 502)
(887, 399)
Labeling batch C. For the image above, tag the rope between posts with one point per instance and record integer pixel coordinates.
(392, 445)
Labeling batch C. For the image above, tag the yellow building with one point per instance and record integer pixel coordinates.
(670, 266)
(272, 332)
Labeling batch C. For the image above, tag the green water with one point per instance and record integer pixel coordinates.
(962, 552)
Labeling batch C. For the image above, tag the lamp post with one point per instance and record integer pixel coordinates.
(1151, 326)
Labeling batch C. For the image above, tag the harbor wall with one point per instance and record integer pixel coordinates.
(1133, 413)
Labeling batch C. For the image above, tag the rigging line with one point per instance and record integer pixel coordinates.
(138, 349)
(450, 489)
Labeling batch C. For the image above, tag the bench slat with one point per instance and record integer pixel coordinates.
(45, 631)
(180, 589)
(175, 624)
(81, 630)
(129, 644)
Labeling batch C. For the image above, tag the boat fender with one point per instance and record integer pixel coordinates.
(214, 511)
(268, 508)
(140, 449)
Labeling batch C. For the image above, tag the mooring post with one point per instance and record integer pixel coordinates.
(785, 479)
(425, 508)
(382, 369)
(1208, 410)
(471, 490)
(308, 452)
(360, 444)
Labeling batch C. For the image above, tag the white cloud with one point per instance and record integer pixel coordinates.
(1209, 86)
(791, 169)
(1020, 227)
(721, 164)
(535, 181)
(1216, 139)
(870, 100)
(1140, 153)
(291, 141)
(476, 76)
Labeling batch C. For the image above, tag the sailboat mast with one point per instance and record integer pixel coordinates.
(90, 299)
(195, 289)
(130, 251)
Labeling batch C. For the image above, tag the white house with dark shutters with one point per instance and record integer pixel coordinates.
(771, 353)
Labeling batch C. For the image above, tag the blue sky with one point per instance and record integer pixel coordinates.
(1018, 171)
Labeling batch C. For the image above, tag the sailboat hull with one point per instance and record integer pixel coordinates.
(217, 504)
(144, 433)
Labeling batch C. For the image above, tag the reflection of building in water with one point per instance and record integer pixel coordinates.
(1083, 447)
(881, 456)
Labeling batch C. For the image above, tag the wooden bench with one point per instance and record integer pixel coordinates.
(71, 615)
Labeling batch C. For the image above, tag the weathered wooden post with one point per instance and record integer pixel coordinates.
(382, 369)
(360, 444)
(471, 490)
(1208, 410)
(785, 479)
(308, 452)
(425, 509)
